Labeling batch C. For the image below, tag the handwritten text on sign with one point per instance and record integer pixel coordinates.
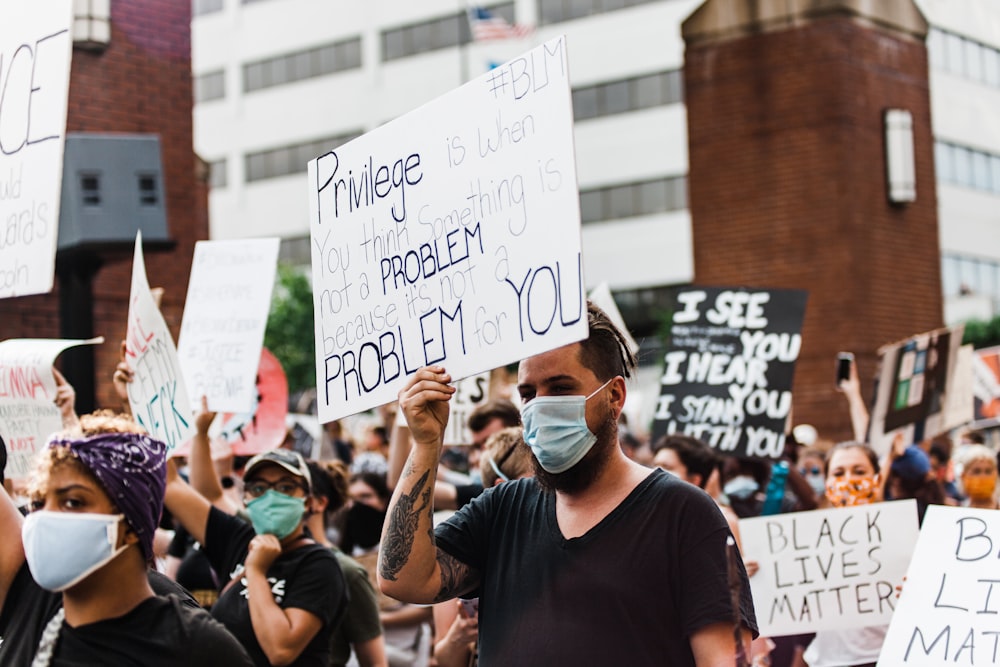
(225, 315)
(157, 394)
(35, 48)
(28, 413)
(727, 375)
(449, 236)
(829, 569)
(948, 610)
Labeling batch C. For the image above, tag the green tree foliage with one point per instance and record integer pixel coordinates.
(290, 334)
(981, 333)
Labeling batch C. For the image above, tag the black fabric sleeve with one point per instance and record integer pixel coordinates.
(465, 493)
(466, 533)
(226, 541)
(703, 596)
(179, 543)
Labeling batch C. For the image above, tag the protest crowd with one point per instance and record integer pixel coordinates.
(441, 514)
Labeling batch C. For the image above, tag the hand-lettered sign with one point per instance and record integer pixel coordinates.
(829, 569)
(449, 236)
(225, 314)
(35, 52)
(947, 612)
(157, 394)
(727, 377)
(28, 413)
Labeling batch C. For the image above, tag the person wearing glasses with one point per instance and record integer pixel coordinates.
(285, 593)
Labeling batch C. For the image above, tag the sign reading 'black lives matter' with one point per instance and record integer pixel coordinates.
(727, 376)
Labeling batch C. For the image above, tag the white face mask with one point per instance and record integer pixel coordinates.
(555, 427)
(64, 548)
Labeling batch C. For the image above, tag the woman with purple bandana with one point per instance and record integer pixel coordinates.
(74, 581)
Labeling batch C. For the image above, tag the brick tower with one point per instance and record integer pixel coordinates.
(786, 106)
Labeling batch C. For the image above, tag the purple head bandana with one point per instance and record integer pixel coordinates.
(131, 469)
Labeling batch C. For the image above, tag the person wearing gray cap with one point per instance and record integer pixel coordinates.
(285, 593)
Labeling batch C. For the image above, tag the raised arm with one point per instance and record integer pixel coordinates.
(851, 387)
(204, 478)
(65, 400)
(187, 505)
(411, 568)
(11, 549)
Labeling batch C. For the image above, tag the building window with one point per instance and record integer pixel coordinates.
(92, 24)
(439, 33)
(640, 92)
(557, 11)
(217, 173)
(148, 191)
(308, 64)
(964, 57)
(633, 199)
(968, 167)
(290, 159)
(201, 7)
(210, 86)
(90, 189)
(963, 275)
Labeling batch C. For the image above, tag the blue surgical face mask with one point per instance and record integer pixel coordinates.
(64, 548)
(276, 514)
(555, 427)
(741, 487)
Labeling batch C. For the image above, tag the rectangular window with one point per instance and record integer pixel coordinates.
(301, 65)
(556, 11)
(981, 171)
(217, 176)
(201, 7)
(943, 162)
(641, 92)
(290, 159)
(963, 166)
(973, 60)
(148, 191)
(633, 199)
(210, 86)
(954, 54)
(935, 48)
(439, 33)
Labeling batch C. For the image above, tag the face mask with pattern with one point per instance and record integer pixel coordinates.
(851, 492)
(980, 487)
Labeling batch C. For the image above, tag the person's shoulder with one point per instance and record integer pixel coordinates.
(203, 634)
(677, 491)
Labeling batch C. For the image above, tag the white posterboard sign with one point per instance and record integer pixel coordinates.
(35, 51)
(157, 394)
(948, 609)
(449, 236)
(829, 569)
(28, 413)
(469, 393)
(225, 314)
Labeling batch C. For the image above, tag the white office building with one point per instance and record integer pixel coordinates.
(278, 82)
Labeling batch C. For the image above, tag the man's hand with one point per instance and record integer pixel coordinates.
(122, 375)
(424, 403)
(203, 420)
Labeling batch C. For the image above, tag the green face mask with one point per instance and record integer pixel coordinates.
(276, 514)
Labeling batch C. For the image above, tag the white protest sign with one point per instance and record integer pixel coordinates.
(947, 612)
(228, 299)
(35, 51)
(28, 413)
(449, 236)
(469, 393)
(157, 394)
(829, 569)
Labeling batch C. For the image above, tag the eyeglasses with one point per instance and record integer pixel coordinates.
(258, 487)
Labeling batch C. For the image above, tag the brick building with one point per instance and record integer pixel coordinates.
(138, 82)
(793, 192)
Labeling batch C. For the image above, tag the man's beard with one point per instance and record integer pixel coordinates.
(582, 475)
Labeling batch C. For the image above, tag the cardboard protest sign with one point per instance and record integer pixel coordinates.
(469, 393)
(728, 369)
(947, 612)
(449, 236)
(35, 51)
(28, 413)
(829, 569)
(915, 378)
(228, 299)
(986, 385)
(157, 395)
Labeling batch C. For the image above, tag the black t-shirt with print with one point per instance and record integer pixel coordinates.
(307, 578)
(169, 629)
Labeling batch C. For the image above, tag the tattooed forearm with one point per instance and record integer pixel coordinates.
(456, 577)
(403, 520)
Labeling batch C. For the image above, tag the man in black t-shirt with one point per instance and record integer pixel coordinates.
(597, 560)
